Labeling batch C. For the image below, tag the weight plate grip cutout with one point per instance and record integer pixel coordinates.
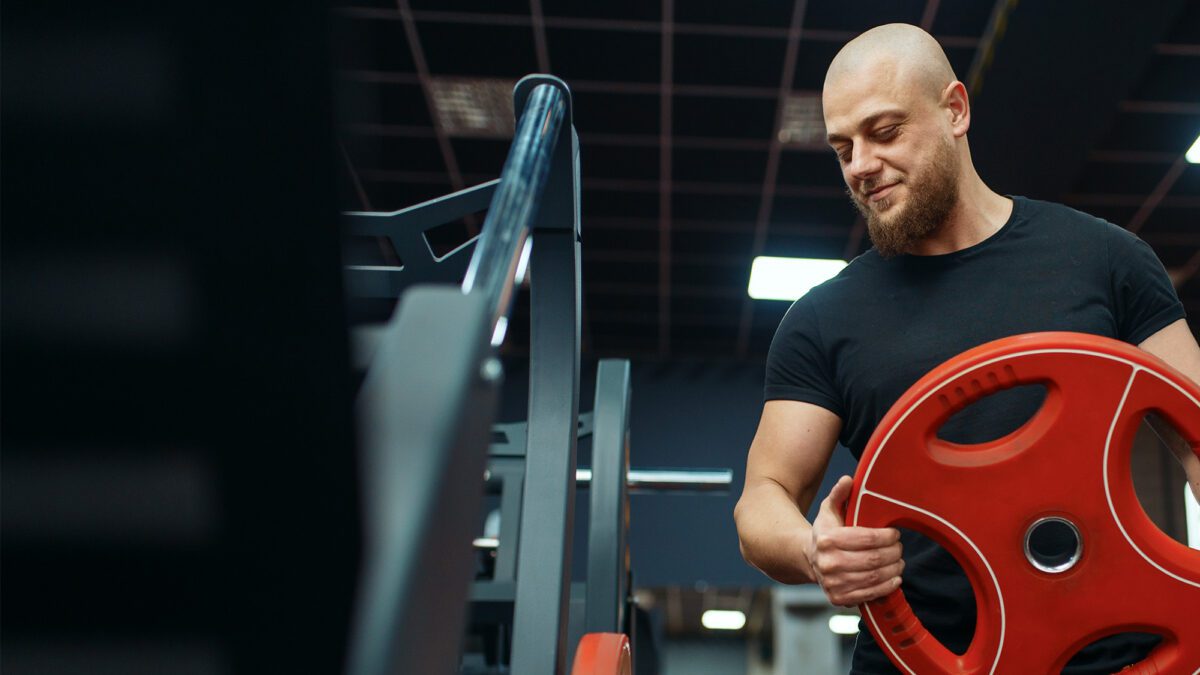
(1068, 466)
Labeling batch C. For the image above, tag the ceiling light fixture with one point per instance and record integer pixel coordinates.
(473, 107)
(803, 122)
(723, 619)
(1193, 153)
(789, 278)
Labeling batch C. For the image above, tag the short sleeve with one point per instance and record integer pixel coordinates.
(798, 366)
(1144, 298)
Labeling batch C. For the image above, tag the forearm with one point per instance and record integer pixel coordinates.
(1181, 449)
(1192, 468)
(772, 531)
(1176, 345)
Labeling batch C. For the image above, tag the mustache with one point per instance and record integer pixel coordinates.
(868, 186)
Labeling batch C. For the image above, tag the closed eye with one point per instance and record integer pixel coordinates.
(887, 133)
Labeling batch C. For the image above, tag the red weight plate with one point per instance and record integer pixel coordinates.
(1070, 461)
(603, 654)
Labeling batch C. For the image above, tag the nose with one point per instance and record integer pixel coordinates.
(863, 163)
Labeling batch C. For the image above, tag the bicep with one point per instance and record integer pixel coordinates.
(792, 448)
(1176, 345)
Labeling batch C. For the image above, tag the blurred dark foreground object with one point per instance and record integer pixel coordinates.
(178, 471)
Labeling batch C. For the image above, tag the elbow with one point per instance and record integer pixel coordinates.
(739, 521)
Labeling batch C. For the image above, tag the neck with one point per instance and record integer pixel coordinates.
(978, 214)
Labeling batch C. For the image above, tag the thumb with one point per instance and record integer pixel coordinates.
(838, 496)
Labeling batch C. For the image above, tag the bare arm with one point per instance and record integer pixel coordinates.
(787, 460)
(1175, 345)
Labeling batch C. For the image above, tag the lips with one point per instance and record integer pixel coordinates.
(880, 192)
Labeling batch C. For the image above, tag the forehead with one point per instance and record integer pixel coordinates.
(853, 96)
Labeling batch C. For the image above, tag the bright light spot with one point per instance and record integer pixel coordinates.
(844, 624)
(723, 619)
(501, 329)
(523, 263)
(1193, 516)
(789, 278)
(1193, 153)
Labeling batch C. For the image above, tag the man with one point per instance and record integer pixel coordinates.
(954, 265)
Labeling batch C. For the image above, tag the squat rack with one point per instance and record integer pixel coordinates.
(429, 397)
(426, 410)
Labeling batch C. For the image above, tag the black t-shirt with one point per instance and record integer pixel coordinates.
(857, 342)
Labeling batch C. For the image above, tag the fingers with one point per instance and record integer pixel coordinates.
(836, 501)
(836, 562)
(857, 538)
(852, 564)
(862, 595)
(853, 577)
(841, 489)
(873, 577)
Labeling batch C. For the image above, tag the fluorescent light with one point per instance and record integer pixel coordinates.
(1193, 153)
(723, 619)
(844, 624)
(789, 278)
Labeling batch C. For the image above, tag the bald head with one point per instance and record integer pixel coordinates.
(909, 56)
(897, 118)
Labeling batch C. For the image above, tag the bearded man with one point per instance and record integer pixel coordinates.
(953, 265)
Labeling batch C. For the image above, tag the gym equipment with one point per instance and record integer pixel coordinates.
(1064, 473)
(426, 403)
(603, 604)
(801, 637)
(651, 481)
(603, 654)
(497, 600)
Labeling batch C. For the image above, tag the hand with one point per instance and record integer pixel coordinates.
(852, 564)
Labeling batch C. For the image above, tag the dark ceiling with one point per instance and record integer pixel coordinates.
(678, 108)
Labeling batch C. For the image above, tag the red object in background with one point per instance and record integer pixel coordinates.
(1070, 461)
(603, 654)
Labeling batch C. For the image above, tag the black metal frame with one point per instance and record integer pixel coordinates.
(406, 229)
(548, 508)
(604, 602)
(428, 399)
(608, 571)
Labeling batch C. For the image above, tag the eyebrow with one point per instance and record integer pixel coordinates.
(868, 121)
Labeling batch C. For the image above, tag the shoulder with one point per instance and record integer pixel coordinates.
(1073, 233)
(832, 295)
(858, 276)
(1062, 217)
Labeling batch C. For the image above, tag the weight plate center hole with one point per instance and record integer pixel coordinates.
(1053, 545)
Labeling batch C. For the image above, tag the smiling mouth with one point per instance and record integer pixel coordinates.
(880, 192)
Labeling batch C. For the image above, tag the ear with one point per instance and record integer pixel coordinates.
(958, 107)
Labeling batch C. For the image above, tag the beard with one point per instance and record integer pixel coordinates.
(933, 192)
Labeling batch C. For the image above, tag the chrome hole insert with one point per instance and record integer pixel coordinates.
(1053, 545)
